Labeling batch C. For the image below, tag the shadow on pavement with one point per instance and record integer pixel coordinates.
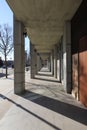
(73, 112)
(10, 78)
(42, 74)
(2, 75)
(45, 79)
(30, 112)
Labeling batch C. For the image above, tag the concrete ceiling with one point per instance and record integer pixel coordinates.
(44, 55)
(44, 19)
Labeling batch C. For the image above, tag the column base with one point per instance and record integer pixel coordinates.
(19, 88)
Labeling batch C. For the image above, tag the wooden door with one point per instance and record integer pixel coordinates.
(83, 70)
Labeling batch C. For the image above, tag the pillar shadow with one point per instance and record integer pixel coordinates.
(10, 78)
(42, 74)
(30, 112)
(2, 75)
(73, 112)
(44, 79)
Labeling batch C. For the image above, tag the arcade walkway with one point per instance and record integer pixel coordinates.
(44, 106)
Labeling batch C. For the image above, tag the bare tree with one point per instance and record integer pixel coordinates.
(6, 42)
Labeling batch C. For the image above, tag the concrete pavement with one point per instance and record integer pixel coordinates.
(43, 106)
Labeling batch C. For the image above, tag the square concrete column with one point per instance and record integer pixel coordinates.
(35, 61)
(38, 63)
(55, 61)
(32, 52)
(49, 64)
(61, 60)
(67, 56)
(19, 57)
(58, 65)
(52, 62)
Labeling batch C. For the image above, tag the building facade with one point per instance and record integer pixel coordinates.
(79, 53)
(58, 35)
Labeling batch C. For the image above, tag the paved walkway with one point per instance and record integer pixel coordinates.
(43, 106)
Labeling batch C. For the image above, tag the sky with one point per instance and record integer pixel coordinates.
(6, 17)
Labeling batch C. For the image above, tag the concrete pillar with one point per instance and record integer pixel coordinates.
(35, 61)
(19, 58)
(61, 60)
(38, 63)
(58, 65)
(49, 64)
(67, 56)
(55, 61)
(32, 60)
(52, 63)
